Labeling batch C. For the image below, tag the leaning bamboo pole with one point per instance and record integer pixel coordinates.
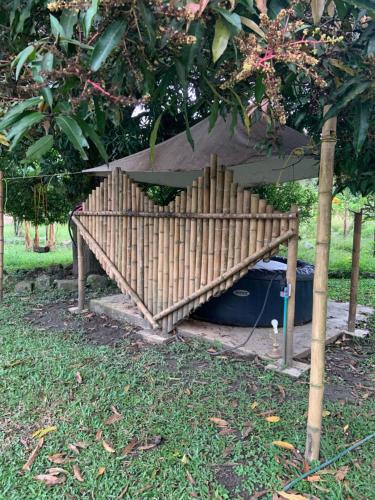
(355, 270)
(319, 319)
(1, 235)
(125, 287)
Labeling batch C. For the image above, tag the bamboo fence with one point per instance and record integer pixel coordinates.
(171, 259)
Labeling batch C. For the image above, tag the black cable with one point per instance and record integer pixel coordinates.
(219, 353)
(78, 207)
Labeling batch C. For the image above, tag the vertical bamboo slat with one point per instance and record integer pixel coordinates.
(111, 219)
(268, 231)
(211, 222)
(245, 229)
(171, 245)
(218, 224)
(176, 257)
(156, 255)
(140, 243)
(199, 254)
(228, 178)
(124, 228)
(181, 266)
(133, 259)
(129, 232)
(232, 226)
(105, 218)
(275, 231)
(205, 229)
(81, 272)
(356, 252)
(187, 250)
(160, 263)
(150, 257)
(260, 225)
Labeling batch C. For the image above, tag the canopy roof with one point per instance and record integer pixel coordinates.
(177, 164)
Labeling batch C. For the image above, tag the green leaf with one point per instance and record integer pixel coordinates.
(259, 88)
(106, 43)
(89, 131)
(22, 126)
(68, 20)
(39, 148)
(14, 113)
(221, 39)
(47, 96)
(362, 125)
(74, 133)
(153, 137)
(363, 4)
(355, 90)
(56, 28)
(89, 17)
(23, 57)
(47, 62)
(232, 18)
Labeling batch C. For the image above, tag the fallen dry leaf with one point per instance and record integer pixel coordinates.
(79, 378)
(130, 446)
(127, 388)
(341, 473)
(73, 448)
(291, 496)
(42, 432)
(101, 471)
(77, 473)
(246, 432)
(227, 451)
(219, 422)
(282, 391)
(107, 447)
(190, 478)
(59, 458)
(98, 435)
(50, 479)
(55, 471)
(33, 455)
(226, 431)
(81, 444)
(254, 405)
(115, 417)
(123, 492)
(273, 419)
(156, 441)
(314, 479)
(283, 444)
(115, 411)
(325, 413)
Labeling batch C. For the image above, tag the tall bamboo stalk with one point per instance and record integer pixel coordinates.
(211, 222)
(228, 179)
(355, 270)
(218, 224)
(181, 265)
(1, 235)
(314, 419)
(291, 279)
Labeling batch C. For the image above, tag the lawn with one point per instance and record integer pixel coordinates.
(55, 376)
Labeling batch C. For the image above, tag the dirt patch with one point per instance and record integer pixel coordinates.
(98, 330)
(226, 476)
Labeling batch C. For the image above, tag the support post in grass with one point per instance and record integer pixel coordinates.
(355, 270)
(319, 319)
(291, 278)
(81, 272)
(1, 234)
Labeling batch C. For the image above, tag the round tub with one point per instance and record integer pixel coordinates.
(242, 303)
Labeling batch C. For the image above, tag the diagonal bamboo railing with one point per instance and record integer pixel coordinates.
(171, 259)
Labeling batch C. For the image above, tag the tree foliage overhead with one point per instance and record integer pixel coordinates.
(98, 75)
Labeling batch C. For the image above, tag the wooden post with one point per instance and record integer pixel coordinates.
(1, 235)
(292, 281)
(81, 272)
(355, 270)
(319, 319)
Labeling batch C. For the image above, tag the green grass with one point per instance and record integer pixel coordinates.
(171, 392)
(17, 257)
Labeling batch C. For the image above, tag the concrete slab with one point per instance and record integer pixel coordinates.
(119, 308)
(358, 333)
(294, 371)
(155, 337)
(260, 342)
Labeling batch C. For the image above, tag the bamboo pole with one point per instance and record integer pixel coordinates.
(206, 209)
(160, 263)
(185, 310)
(211, 222)
(181, 265)
(218, 224)
(133, 264)
(140, 244)
(291, 278)
(176, 258)
(155, 250)
(167, 215)
(199, 252)
(105, 219)
(171, 244)
(232, 224)
(125, 287)
(112, 234)
(355, 270)
(254, 204)
(124, 223)
(1, 235)
(228, 179)
(245, 228)
(275, 231)
(150, 257)
(129, 233)
(224, 277)
(260, 225)
(119, 235)
(314, 419)
(81, 271)
(268, 230)
(193, 236)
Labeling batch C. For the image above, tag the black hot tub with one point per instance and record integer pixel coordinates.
(242, 303)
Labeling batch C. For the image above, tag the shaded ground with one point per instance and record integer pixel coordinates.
(196, 424)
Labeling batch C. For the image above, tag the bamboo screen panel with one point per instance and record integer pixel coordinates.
(171, 259)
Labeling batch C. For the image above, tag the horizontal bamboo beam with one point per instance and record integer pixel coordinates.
(228, 274)
(96, 248)
(158, 215)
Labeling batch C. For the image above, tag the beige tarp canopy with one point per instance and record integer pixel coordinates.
(177, 164)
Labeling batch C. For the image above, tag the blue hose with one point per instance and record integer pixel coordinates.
(328, 462)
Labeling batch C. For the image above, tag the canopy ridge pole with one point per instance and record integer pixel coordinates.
(319, 319)
(356, 252)
(1, 235)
